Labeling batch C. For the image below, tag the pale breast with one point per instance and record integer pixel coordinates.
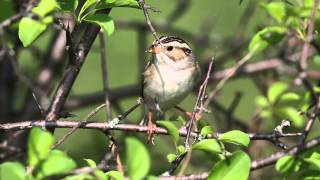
(167, 86)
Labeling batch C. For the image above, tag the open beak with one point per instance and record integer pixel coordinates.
(154, 49)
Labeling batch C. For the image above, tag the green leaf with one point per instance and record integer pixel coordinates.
(68, 5)
(285, 164)
(80, 177)
(277, 10)
(103, 20)
(206, 130)
(181, 150)
(12, 170)
(314, 159)
(171, 157)
(29, 30)
(292, 114)
(39, 145)
(86, 5)
(309, 174)
(97, 173)
(138, 160)
(208, 145)
(235, 137)
(57, 163)
(289, 97)
(276, 90)
(118, 3)
(91, 162)
(262, 101)
(265, 37)
(44, 7)
(172, 130)
(237, 166)
(115, 175)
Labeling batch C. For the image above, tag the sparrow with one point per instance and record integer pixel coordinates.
(169, 77)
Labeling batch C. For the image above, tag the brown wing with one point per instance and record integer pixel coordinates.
(143, 82)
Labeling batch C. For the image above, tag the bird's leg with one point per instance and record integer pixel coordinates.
(151, 127)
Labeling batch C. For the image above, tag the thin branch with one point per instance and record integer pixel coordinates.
(231, 72)
(144, 7)
(76, 127)
(105, 126)
(258, 164)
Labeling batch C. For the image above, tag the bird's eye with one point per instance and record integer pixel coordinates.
(169, 48)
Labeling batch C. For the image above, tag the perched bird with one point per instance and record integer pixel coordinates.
(169, 77)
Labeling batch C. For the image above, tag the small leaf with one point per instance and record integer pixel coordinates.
(172, 130)
(44, 7)
(86, 5)
(314, 159)
(39, 145)
(57, 163)
(103, 20)
(262, 101)
(267, 36)
(68, 5)
(289, 97)
(118, 3)
(138, 160)
(12, 170)
(171, 157)
(237, 166)
(181, 150)
(277, 10)
(29, 30)
(91, 162)
(285, 163)
(276, 90)
(206, 130)
(208, 145)
(115, 175)
(235, 137)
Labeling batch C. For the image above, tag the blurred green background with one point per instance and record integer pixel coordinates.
(123, 68)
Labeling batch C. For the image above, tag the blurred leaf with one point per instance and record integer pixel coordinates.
(181, 150)
(206, 130)
(316, 60)
(267, 113)
(103, 20)
(68, 5)
(44, 7)
(262, 101)
(237, 166)
(314, 159)
(285, 164)
(118, 3)
(208, 145)
(276, 90)
(29, 30)
(235, 137)
(277, 10)
(172, 130)
(289, 97)
(267, 36)
(292, 114)
(12, 170)
(115, 175)
(56, 163)
(80, 177)
(171, 157)
(39, 145)
(91, 162)
(309, 174)
(138, 161)
(86, 5)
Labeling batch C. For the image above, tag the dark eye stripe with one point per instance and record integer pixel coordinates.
(186, 51)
